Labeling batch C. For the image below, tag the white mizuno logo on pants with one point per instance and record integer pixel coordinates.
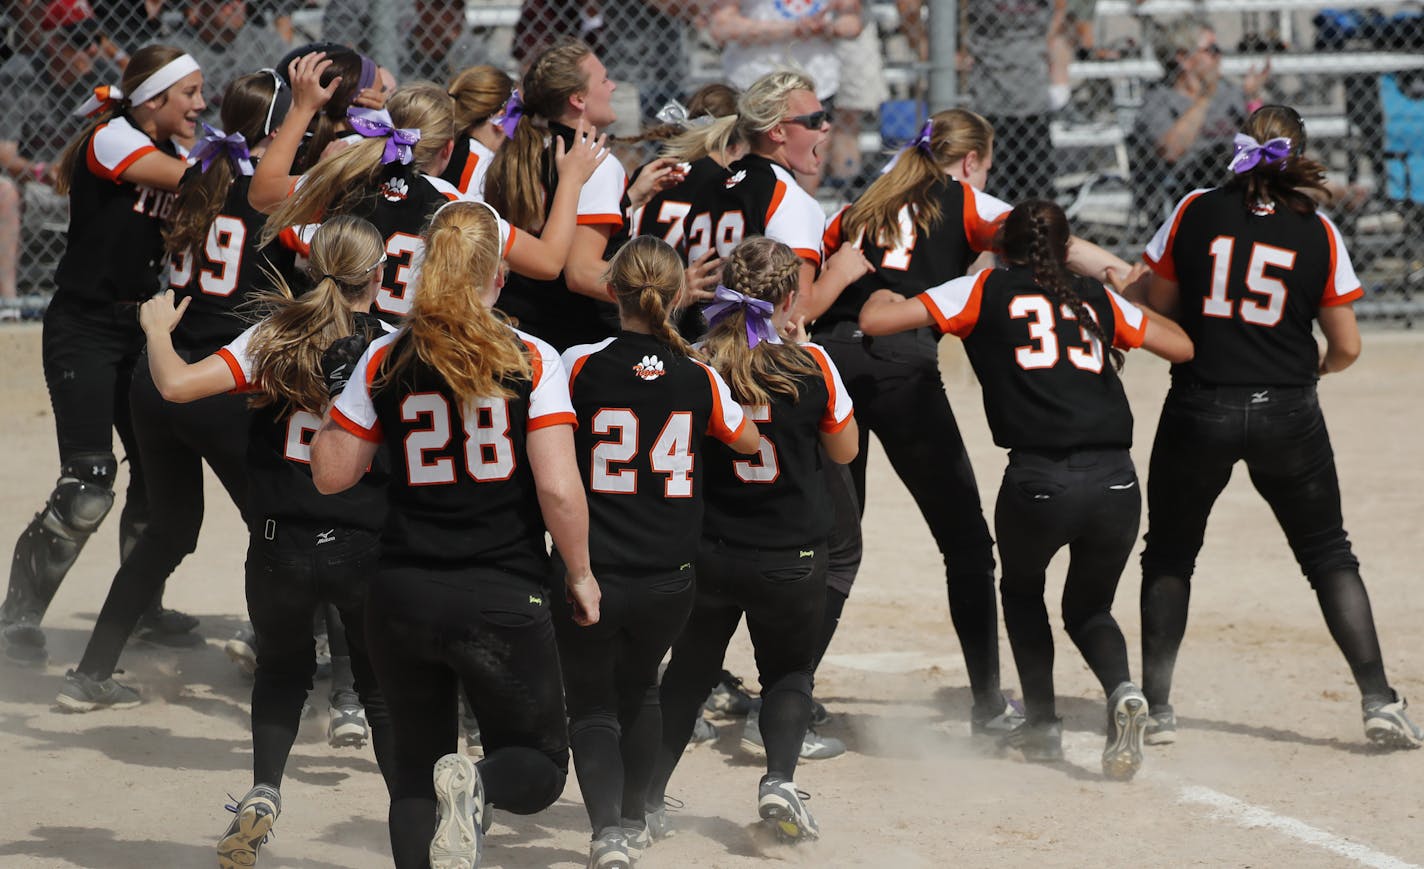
(1123, 486)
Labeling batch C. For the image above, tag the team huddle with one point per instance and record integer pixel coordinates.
(420, 336)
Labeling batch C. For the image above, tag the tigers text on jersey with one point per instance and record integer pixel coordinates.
(228, 271)
(758, 197)
(114, 251)
(462, 490)
(1251, 283)
(643, 414)
(279, 483)
(549, 309)
(1048, 384)
(969, 221)
(468, 165)
(777, 498)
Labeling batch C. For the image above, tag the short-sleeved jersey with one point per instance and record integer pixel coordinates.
(462, 490)
(777, 498)
(229, 269)
(550, 309)
(279, 483)
(467, 167)
(758, 197)
(114, 251)
(1251, 283)
(643, 414)
(969, 221)
(1048, 384)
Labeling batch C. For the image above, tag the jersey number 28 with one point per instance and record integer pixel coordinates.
(489, 453)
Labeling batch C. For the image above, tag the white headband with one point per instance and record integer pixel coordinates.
(164, 78)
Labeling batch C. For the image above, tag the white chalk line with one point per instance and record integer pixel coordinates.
(1085, 750)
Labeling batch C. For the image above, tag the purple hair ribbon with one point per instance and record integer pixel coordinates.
(923, 141)
(216, 143)
(377, 124)
(726, 302)
(511, 113)
(1250, 152)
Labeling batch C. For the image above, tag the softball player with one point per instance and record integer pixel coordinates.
(119, 174)
(764, 538)
(482, 97)
(390, 178)
(1038, 340)
(305, 550)
(478, 418)
(644, 408)
(1248, 268)
(920, 224)
(565, 88)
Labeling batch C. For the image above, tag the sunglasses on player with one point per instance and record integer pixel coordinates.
(814, 121)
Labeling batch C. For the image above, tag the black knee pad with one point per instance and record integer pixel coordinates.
(594, 721)
(798, 682)
(83, 495)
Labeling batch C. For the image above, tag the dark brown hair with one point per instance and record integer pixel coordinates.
(1289, 183)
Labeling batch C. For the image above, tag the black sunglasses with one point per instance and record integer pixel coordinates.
(1211, 49)
(814, 121)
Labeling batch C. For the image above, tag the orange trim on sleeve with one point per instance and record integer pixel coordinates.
(99, 169)
(1167, 266)
(1329, 297)
(831, 239)
(374, 364)
(615, 220)
(1356, 293)
(366, 434)
(778, 194)
(828, 419)
(980, 232)
(1126, 336)
(716, 425)
(963, 323)
(292, 240)
(838, 427)
(509, 245)
(536, 363)
(237, 376)
(548, 419)
(811, 256)
(465, 176)
(577, 367)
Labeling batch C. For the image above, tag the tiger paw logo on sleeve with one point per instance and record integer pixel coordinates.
(651, 368)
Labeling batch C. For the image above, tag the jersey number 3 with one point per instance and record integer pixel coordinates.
(1044, 352)
(1264, 312)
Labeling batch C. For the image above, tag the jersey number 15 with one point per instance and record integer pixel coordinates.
(1263, 312)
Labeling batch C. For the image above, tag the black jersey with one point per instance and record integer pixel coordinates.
(643, 413)
(777, 498)
(462, 491)
(467, 167)
(279, 484)
(228, 271)
(1048, 384)
(1251, 283)
(969, 220)
(548, 308)
(114, 251)
(758, 197)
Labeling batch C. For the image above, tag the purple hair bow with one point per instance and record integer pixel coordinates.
(1250, 152)
(511, 113)
(377, 124)
(923, 141)
(216, 143)
(726, 302)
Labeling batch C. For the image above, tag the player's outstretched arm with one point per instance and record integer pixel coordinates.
(541, 257)
(1089, 260)
(176, 379)
(887, 312)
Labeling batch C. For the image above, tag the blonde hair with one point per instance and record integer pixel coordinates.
(449, 328)
(287, 347)
(339, 183)
(954, 134)
(759, 108)
(478, 92)
(143, 64)
(763, 269)
(647, 278)
(516, 181)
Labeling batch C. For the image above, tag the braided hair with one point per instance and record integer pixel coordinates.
(1035, 236)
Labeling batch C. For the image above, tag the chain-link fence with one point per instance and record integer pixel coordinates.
(1114, 107)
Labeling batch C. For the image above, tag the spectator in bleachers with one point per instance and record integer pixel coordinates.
(131, 23)
(225, 43)
(643, 43)
(41, 88)
(1006, 43)
(1188, 119)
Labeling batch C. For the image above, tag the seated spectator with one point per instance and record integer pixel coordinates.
(42, 88)
(218, 35)
(1188, 119)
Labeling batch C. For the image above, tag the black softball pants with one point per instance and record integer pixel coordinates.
(1088, 501)
(89, 353)
(292, 570)
(782, 592)
(174, 440)
(490, 632)
(1279, 432)
(899, 395)
(611, 684)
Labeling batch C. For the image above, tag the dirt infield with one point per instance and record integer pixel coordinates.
(1270, 769)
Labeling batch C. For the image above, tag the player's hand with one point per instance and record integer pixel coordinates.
(1256, 79)
(848, 263)
(656, 177)
(305, 72)
(793, 331)
(339, 362)
(159, 316)
(702, 278)
(370, 98)
(583, 592)
(578, 162)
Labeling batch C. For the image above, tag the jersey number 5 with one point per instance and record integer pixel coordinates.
(671, 454)
(763, 468)
(489, 453)
(1271, 289)
(1043, 352)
